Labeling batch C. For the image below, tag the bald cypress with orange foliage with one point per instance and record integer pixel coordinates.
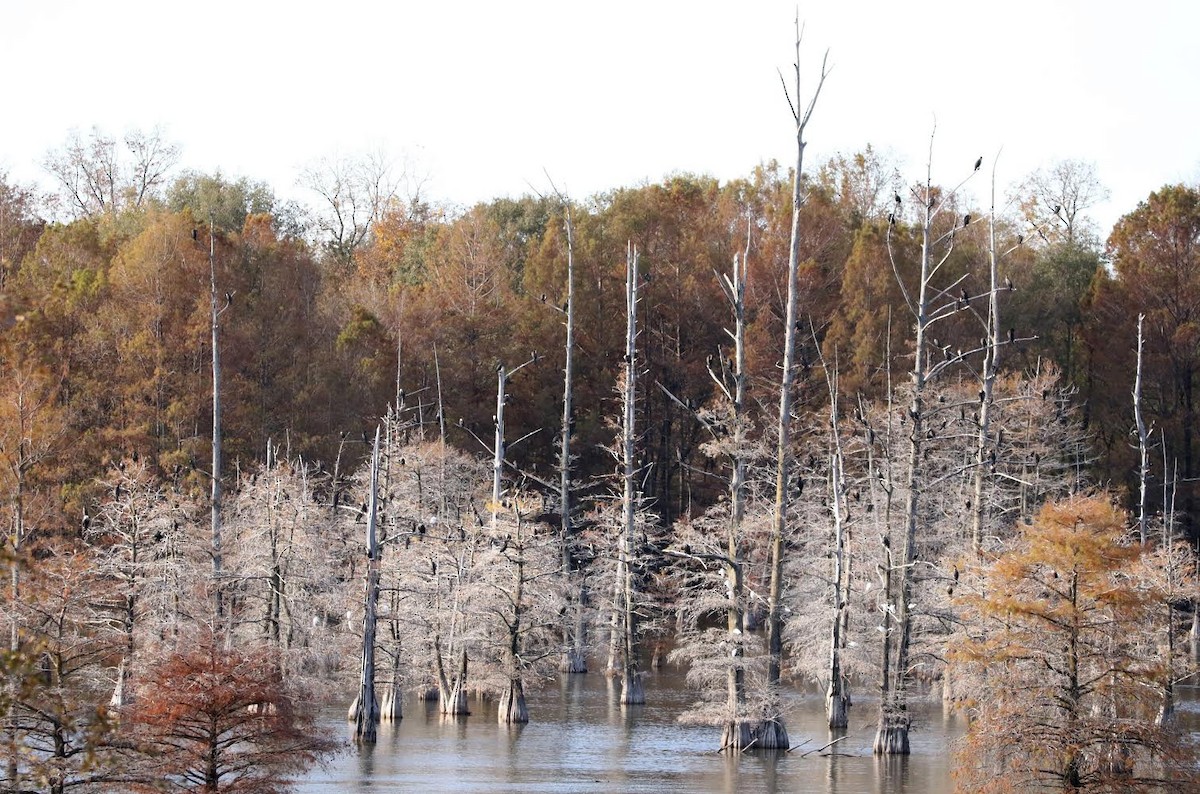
(1064, 668)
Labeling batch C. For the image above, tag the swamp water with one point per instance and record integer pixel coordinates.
(580, 739)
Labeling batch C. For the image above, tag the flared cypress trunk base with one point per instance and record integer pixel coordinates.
(837, 708)
(352, 712)
(891, 738)
(574, 662)
(768, 735)
(122, 695)
(390, 709)
(632, 693)
(736, 736)
(512, 705)
(454, 702)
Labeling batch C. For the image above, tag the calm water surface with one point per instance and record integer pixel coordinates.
(580, 740)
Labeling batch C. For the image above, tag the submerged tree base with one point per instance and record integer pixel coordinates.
(574, 662)
(391, 709)
(512, 705)
(352, 712)
(454, 701)
(767, 735)
(837, 709)
(736, 736)
(632, 693)
(892, 736)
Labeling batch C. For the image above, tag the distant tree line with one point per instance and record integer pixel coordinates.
(955, 369)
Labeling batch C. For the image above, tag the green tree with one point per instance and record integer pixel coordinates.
(212, 197)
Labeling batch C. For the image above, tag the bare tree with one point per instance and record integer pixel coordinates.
(354, 192)
(724, 661)
(928, 305)
(574, 655)
(101, 175)
(132, 533)
(625, 632)
(772, 733)
(365, 710)
(1143, 436)
(1063, 192)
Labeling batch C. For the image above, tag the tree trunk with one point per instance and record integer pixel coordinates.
(454, 699)
(498, 448)
(991, 364)
(216, 424)
(366, 715)
(512, 704)
(736, 734)
(1143, 435)
(631, 682)
(574, 657)
(771, 734)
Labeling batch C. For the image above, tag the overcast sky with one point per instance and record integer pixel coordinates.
(485, 95)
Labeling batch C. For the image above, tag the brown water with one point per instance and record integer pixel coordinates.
(580, 740)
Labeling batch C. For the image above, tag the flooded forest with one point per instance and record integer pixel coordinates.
(890, 437)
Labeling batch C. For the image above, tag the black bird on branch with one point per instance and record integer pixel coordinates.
(979, 162)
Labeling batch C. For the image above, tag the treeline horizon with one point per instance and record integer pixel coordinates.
(336, 313)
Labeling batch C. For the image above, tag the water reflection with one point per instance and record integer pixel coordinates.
(582, 740)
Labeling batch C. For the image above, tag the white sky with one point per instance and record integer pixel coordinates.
(604, 94)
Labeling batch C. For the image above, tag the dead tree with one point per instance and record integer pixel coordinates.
(772, 734)
(837, 694)
(623, 641)
(987, 446)
(499, 448)
(365, 709)
(737, 733)
(1143, 436)
(574, 656)
(215, 316)
(928, 305)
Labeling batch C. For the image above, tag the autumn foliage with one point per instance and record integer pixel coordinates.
(215, 720)
(1067, 678)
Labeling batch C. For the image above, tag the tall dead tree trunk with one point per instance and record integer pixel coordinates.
(499, 448)
(631, 678)
(738, 731)
(985, 448)
(772, 734)
(574, 654)
(837, 694)
(891, 737)
(365, 710)
(623, 650)
(1143, 437)
(216, 420)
